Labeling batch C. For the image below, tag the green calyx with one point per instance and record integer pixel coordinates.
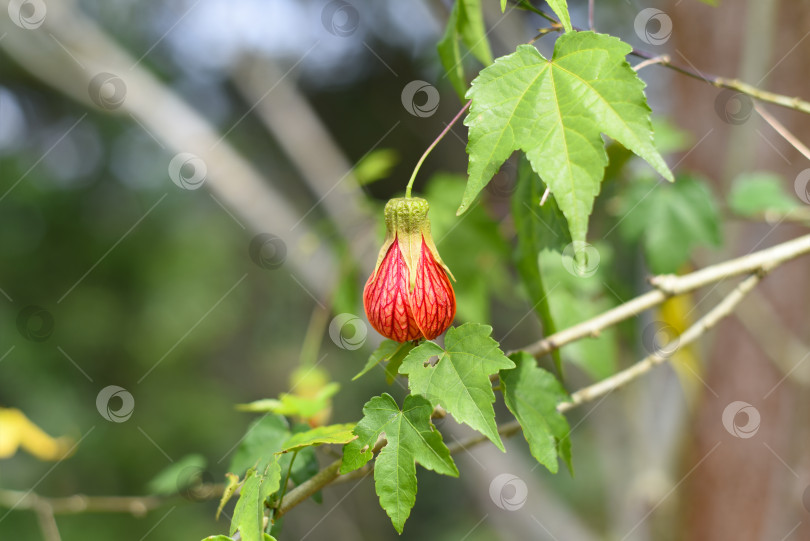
(406, 221)
(407, 215)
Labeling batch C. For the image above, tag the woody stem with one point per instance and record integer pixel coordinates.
(432, 146)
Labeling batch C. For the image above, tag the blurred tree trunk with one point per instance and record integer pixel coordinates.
(748, 488)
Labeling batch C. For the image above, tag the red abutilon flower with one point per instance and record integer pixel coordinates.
(409, 296)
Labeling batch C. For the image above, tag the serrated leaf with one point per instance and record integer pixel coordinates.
(249, 511)
(411, 438)
(760, 192)
(390, 351)
(560, 8)
(532, 395)
(536, 231)
(334, 434)
(671, 220)
(465, 24)
(459, 380)
(176, 477)
(231, 485)
(290, 404)
(555, 111)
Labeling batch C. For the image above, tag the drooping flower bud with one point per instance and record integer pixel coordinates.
(409, 296)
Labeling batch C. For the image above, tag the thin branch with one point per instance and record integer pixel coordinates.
(650, 61)
(590, 15)
(783, 131)
(698, 329)
(789, 102)
(134, 505)
(669, 286)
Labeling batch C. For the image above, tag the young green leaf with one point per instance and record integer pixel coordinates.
(555, 111)
(411, 438)
(671, 219)
(249, 511)
(560, 8)
(231, 485)
(760, 192)
(532, 395)
(390, 351)
(264, 437)
(466, 23)
(459, 380)
(335, 434)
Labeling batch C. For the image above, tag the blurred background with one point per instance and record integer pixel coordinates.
(190, 191)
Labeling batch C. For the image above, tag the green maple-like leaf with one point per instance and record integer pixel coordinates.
(532, 395)
(335, 434)
(555, 111)
(760, 192)
(411, 438)
(258, 486)
(459, 380)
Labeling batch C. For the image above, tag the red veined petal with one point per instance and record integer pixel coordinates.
(385, 298)
(433, 301)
